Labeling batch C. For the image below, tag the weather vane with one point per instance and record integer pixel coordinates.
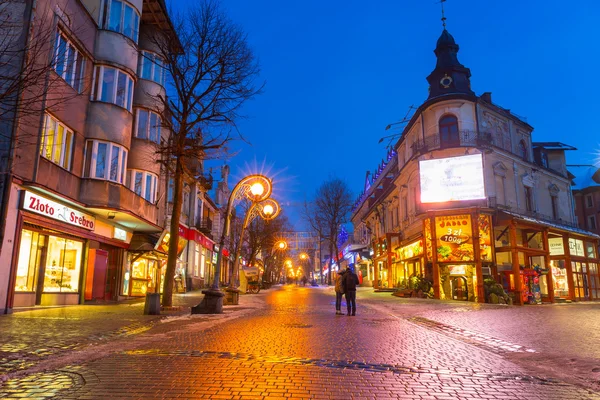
(443, 15)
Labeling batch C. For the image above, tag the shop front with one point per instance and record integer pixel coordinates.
(200, 256)
(409, 266)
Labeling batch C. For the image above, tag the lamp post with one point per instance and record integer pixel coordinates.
(267, 209)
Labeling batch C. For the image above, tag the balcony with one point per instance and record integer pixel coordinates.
(204, 225)
(465, 138)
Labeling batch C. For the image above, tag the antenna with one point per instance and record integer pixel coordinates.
(443, 14)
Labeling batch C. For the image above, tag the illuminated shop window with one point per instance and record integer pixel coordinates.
(112, 85)
(63, 265)
(105, 160)
(57, 142)
(119, 16)
(30, 251)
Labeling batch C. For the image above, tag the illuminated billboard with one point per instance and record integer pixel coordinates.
(452, 179)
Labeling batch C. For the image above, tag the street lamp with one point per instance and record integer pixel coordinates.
(267, 209)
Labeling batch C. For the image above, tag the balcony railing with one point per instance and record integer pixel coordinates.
(204, 225)
(465, 138)
(492, 203)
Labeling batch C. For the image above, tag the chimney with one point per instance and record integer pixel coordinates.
(487, 97)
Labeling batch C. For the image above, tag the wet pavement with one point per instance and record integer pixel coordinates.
(288, 343)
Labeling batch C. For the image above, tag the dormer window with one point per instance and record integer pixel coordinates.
(523, 153)
(449, 131)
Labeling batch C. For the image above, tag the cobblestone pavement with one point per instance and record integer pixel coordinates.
(287, 343)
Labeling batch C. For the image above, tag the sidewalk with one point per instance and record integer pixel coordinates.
(33, 335)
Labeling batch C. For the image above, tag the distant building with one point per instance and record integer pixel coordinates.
(471, 197)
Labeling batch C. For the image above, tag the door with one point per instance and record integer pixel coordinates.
(459, 288)
(100, 268)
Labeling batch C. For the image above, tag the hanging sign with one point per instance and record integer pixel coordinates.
(556, 246)
(48, 208)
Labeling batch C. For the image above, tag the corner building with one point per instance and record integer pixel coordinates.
(478, 201)
(85, 180)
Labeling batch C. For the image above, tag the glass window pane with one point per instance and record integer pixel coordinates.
(123, 165)
(67, 150)
(136, 26)
(70, 71)
(88, 159)
(101, 161)
(61, 54)
(27, 252)
(148, 193)
(128, 22)
(153, 127)
(114, 163)
(108, 85)
(114, 23)
(129, 92)
(157, 70)
(121, 90)
(138, 183)
(58, 143)
(50, 129)
(147, 65)
(79, 73)
(142, 128)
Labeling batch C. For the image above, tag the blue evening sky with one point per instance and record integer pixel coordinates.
(337, 72)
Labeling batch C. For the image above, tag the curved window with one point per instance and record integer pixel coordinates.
(144, 184)
(112, 85)
(119, 16)
(105, 160)
(147, 125)
(69, 63)
(151, 67)
(449, 131)
(523, 150)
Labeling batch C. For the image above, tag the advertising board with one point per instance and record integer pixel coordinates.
(452, 179)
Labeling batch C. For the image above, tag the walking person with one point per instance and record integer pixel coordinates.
(339, 291)
(349, 282)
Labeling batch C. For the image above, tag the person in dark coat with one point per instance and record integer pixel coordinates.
(349, 283)
(339, 291)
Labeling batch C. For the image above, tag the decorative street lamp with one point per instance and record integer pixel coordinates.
(267, 209)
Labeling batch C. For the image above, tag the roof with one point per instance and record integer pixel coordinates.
(554, 225)
(553, 146)
(585, 176)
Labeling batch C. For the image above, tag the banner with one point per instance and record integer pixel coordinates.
(454, 238)
(485, 239)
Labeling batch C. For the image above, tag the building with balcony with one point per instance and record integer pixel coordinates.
(478, 201)
(86, 200)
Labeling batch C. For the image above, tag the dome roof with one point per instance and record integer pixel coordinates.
(445, 40)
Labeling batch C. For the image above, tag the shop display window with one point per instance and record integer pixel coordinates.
(559, 275)
(458, 282)
(29, 258)
(580, 280)
(590, 249)
(504, 261)
(594, 280)
(501, 236)
(538, 263)
(63, 265)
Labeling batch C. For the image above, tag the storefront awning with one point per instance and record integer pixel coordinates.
(553, 225)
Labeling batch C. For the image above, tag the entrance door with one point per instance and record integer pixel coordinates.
(460, 291)
(580, 280)
(100, 267)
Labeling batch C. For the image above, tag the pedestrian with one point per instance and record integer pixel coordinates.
(349, 282)
(339, 291)
(304, 280)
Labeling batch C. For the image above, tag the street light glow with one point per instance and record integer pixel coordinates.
(257, 189)
(268, 209)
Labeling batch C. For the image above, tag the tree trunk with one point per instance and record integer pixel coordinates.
(167, 299)
(330, 264)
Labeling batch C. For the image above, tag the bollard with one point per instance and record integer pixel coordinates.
(152, 305)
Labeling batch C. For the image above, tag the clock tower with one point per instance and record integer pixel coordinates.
(449, 75)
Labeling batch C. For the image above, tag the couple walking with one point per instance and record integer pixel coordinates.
(345, 283)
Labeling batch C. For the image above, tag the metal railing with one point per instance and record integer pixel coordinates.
(465, 138)
(204, 225)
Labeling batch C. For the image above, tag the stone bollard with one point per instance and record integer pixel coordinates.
(211, 304)
(152, 305)
(233, 296)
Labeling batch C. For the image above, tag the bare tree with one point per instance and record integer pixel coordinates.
(262, 236)
(210, 74)
(327, 212)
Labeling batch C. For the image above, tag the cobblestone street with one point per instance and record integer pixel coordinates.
(287, 342)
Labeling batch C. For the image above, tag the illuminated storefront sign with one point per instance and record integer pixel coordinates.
(452, 179)
(485, 239)
(454, 238)
(119, 234)
(576, 247)
(48, 208)
(556, 246)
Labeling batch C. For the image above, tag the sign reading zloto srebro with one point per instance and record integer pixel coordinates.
(57, 211)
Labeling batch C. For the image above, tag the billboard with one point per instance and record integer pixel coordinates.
(452, 179)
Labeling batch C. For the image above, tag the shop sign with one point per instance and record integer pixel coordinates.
(414, 249)
(457, 269)
(485, 239)
(200, 239)
(428, 241)
(57, 211)
(556, 246)
(119, 234)
(576, 247)
(163, 245)
(454, 238)
(139, 287)
(452, 179)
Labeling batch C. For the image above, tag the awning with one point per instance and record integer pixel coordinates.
(548, 224)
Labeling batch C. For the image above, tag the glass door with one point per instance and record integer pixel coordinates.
(580, 280)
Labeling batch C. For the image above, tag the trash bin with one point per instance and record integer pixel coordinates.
(152, 305)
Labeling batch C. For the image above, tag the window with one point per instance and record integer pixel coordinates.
(591, 222)
(544, 158)
(589, 201)
(554, 200)
(57, 142)
(144, 184)
(171, 190)
(448, 130)
(151, 67)
(528, 199)
(118, 16)
(104, 160)
(69, 64)
(523, 153)
(112, 86)
(198, 211)
(405, 208)
(185, 206)
(147, 125)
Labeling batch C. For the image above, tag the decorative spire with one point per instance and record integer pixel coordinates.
(443, 15)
